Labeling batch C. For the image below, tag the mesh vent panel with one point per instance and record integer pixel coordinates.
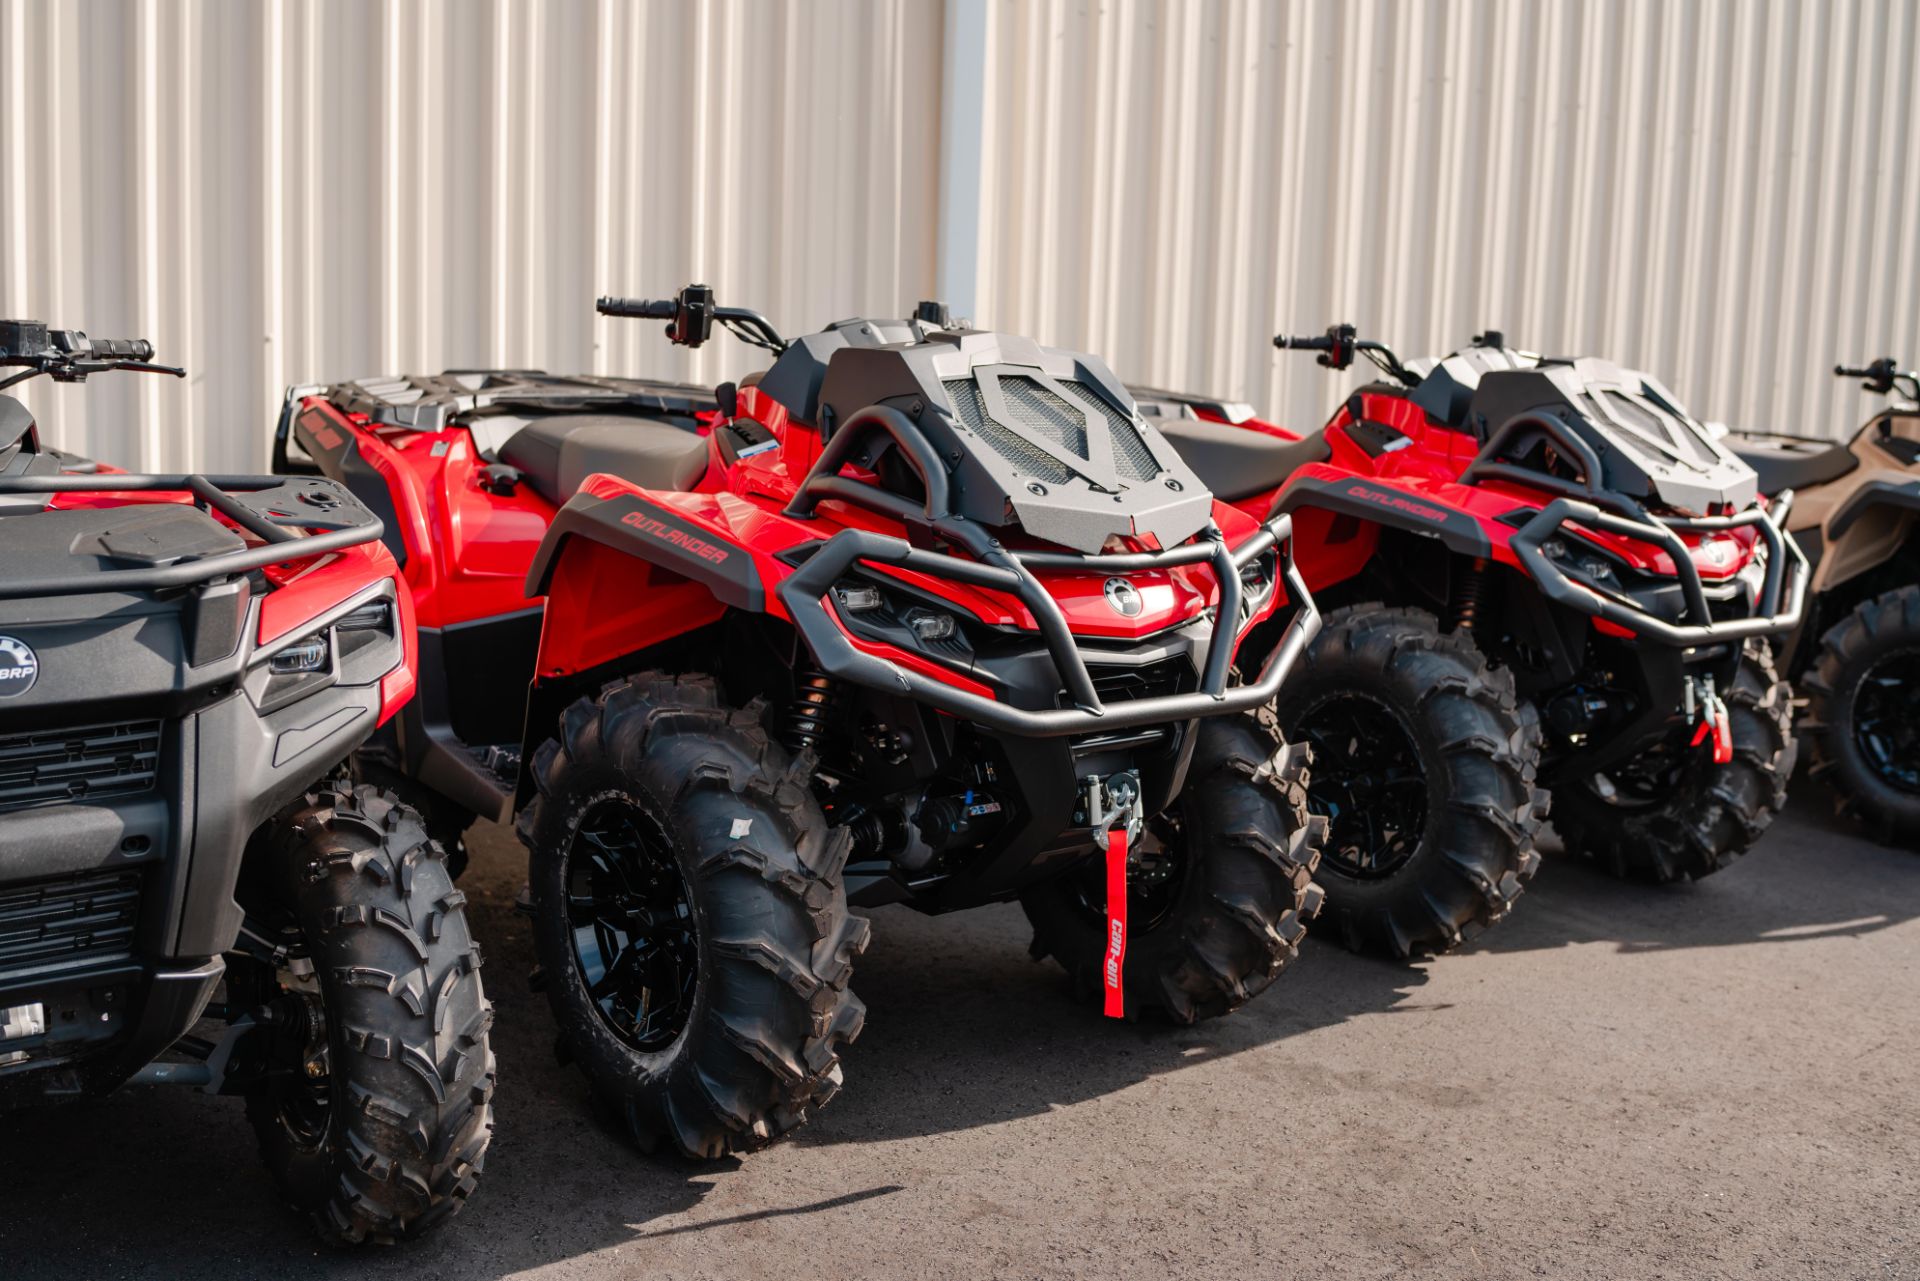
(1131, 457)
(1043, 412)
(965, 395)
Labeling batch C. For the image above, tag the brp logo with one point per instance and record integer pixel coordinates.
(19, 667)
(1124, 597)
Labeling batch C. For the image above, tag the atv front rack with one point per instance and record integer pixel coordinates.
(805, 594)
(1770, 617)
(271, 508)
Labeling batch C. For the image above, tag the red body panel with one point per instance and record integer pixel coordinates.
(1424, 476)
(467, 549)
(602, 604)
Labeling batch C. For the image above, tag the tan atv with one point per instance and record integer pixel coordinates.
(1855, 511)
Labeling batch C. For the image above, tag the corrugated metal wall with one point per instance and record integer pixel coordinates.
(309, 191)
(1724, 192)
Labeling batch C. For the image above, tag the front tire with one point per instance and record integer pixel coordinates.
(1238, 851)
(689, 917)
(374, 1105)
(1425, 761)
(1863, 715)
(1690, 818)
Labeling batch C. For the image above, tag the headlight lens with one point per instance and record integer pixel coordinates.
(308, 654)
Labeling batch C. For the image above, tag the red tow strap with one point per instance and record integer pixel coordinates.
(1717, 723)
(1116, 1005)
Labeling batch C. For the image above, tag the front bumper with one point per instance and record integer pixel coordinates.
(114, 912)
(1783, 591)
(805, 594)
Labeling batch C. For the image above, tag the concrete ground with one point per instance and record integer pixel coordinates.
(1714, 1080)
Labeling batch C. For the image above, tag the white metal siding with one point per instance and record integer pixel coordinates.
(1724, 192)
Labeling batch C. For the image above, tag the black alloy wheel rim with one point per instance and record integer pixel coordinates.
(296, 1063)
(631, 919)
(305, 1101)
(1367, 778)
(1886, 719)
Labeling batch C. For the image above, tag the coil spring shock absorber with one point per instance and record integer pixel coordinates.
(812, 704)
(1468, 595)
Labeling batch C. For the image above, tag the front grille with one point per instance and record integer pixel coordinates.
(88, 917)
(92, 762)
(1123, 684)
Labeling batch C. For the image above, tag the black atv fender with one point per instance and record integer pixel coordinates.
(1386, 505)
(658, 535)
(677, 548)
(1874, 494)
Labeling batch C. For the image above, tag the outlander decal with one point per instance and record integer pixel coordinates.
(658, 535)
(1384, 504)
(655, 528)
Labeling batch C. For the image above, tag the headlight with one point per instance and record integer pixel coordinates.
(308, 654)
(929, 624)
(356, 648)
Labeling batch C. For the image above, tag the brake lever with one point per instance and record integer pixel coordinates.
(145, 367)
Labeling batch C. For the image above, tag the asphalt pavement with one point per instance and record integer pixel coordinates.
(1712, 1080)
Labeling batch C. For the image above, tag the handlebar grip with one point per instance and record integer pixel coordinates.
(639, 308)
(120, 349)
(1313, 342)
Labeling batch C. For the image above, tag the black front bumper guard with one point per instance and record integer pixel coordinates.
(271, 508)
(1787, 573)
(805, 594)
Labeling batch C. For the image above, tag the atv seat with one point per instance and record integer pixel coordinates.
(1785, 462)
(555, 454)
(1239, 462)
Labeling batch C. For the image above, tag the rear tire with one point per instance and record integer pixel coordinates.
(1712, 813)
(1863, 715)
(1470, 749)
(689, 917)
(385, 1131)
(1236, 914)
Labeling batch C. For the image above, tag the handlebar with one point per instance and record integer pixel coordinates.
(1340, 344)
(1882, 376)
(691, 316)
(119, 349)
(68, 355)
(638, 308)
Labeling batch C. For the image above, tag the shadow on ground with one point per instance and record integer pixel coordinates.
(963, 1031)
(1804, 880)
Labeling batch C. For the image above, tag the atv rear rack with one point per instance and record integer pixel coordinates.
(1664, 532)
(269, 507)
(805, 594)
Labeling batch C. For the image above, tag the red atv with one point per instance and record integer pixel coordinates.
(1546, 573)
(185, 663)
(919, 615)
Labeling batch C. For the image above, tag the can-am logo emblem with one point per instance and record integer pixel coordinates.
(19, 667)
(1124, 597)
